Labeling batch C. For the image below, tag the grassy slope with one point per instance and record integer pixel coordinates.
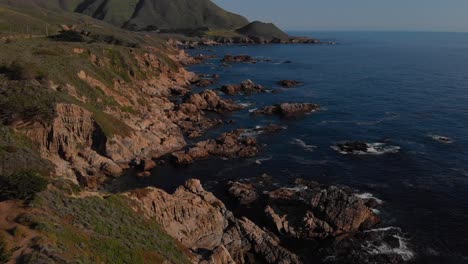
(114, 12)
(56, 60)
(76, 230)
(263, 30)
(186, 14)
(92, 229)
(167, 14)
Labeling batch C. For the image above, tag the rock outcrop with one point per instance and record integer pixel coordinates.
(87, 144)
(229, 145)
(308, 210)
(246, 87)
(190, 115)
(287, 109)
(202, 223)
(208, 100)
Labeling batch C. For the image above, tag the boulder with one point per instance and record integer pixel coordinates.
(204, 82)
(244, 193)
(209, 100)
(229, 145)
(246, 87)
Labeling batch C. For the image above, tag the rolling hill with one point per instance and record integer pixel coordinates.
(141, 14)
(266, 31)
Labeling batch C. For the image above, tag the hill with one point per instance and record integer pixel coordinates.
(143, 14)
(259, 29)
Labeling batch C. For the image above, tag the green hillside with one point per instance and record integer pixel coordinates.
(267, 31)
(141, 14)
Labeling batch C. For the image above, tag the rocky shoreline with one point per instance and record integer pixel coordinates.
(254, 221)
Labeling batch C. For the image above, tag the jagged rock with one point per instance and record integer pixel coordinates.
(189, 115)
(200, 221)
(308, 210)
(244, 193)
(246, 87)
(237, 58)
(220, 255)
(287, 109)
(209, 100)
(231, 144)
(191, 119)
(289, 83)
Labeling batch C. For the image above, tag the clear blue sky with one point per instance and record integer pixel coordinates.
(407, 15)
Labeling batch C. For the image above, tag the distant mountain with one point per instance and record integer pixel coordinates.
(141, 14)
(266, 31)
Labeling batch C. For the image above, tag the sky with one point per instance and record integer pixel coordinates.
(392, 15)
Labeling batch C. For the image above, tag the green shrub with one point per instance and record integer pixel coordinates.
(4, 255)
(26, 100)
(17, 71)
(21, 185)
(69, 36)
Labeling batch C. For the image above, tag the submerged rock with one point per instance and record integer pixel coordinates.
(204, 82)
(358, 147)
(237, 58)
(352, 146)
(442, 139)
(289, 83)
(288, 109)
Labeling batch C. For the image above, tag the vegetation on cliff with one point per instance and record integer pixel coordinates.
(21, 185)
(61, 227)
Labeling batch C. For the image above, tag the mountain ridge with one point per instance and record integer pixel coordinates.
(142, 14)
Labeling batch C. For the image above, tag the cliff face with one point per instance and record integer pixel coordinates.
(89, 145)
(93, 97)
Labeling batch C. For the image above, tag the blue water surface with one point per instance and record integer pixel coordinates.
(397, 88)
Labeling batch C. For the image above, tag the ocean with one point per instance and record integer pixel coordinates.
(405, 94)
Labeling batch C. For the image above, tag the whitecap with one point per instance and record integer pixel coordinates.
(253, 110)
(245, 105)
(384, 248)
(261, 160)
(441, 139)
(372, 149)
(368, 196)
(301, 143)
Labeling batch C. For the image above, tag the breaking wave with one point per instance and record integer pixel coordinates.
(301, 143)
(372, 149)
